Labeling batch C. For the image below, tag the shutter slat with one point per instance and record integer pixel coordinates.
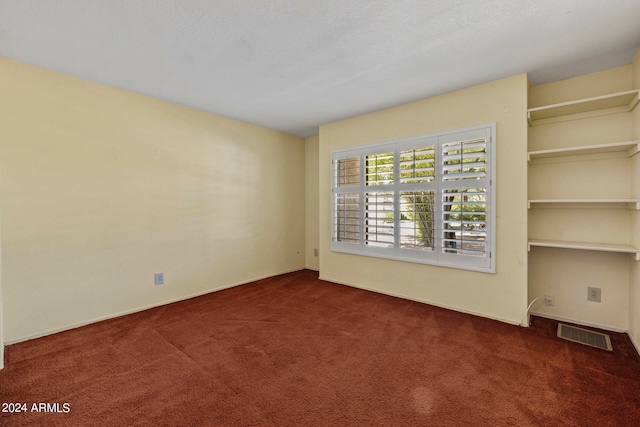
(464, 145)
(463, 176)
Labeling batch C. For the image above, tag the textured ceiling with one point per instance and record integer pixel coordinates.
(293, 65)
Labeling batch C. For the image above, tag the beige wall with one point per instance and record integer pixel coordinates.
(565, 273)
(590, 85)
(101, 188)
(634, 270)
(311, 203)
(501, 295)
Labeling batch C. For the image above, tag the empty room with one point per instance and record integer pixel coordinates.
(338, 213)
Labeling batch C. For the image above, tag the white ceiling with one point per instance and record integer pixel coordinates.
(293, 65)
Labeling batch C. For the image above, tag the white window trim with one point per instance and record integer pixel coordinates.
(436, 257)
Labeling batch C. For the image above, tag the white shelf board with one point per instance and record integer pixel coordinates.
(631, 147)
(631, 203)
(612, 103)
(603, 247)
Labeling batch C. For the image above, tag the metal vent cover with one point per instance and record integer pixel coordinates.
(583, 336)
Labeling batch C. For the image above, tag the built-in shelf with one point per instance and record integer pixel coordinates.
(630, 147)
(620, 102)
(630, 203)
(602, 247)
(588, 107)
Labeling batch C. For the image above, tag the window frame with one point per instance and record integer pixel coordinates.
(436, 256)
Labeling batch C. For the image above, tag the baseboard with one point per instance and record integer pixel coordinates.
(459, 310)
(579, 322)
(147, 307)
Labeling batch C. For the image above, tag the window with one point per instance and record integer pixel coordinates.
(427, 199)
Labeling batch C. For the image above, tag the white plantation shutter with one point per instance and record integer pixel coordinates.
(417, 165)
(379, 224)
(464, 197)
(348, 217)
(427, 199)
(346, 210)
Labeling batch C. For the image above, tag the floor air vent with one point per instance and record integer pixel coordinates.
(583, 336)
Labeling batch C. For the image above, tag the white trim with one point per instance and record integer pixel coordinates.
(147, 307)
(438, 140)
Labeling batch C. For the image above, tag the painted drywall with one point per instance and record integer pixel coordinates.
(101, 188)
(311, 203)
(634, 269)
(563, 273)
(501, 295)
(566, 274)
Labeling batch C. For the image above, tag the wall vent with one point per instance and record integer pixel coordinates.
(583, 336)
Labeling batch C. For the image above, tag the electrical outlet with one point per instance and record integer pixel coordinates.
(315, 252)
(159, 278)
(549, 300)
(593, 294)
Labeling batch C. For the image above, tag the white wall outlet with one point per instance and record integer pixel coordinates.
(593, 294)
(159, 278)
(315, 252)
(549, 300)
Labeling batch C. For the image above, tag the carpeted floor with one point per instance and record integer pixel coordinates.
(295, 350)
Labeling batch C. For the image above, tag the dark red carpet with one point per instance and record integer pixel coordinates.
(297, 351)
